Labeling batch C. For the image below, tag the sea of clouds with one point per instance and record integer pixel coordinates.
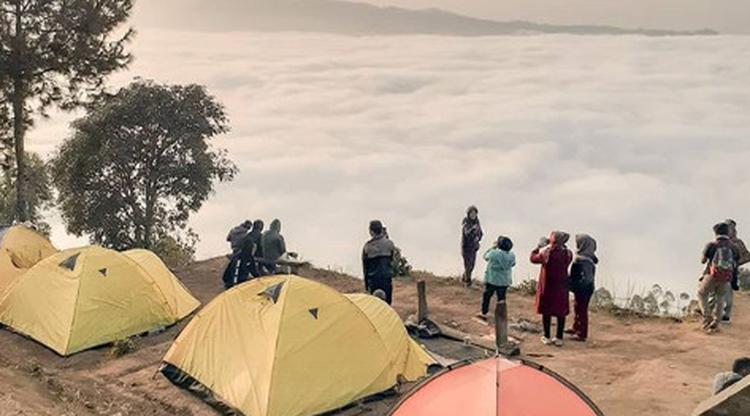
(642, 142)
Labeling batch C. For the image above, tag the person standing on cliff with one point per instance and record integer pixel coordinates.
(721, 258)
(377, 260)
(744, 259)
(471, 236)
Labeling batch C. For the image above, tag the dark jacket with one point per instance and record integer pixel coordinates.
(583, 274)
(272, 243)
(236, 237)
(377, 257)
(255, 236)
(471, 235)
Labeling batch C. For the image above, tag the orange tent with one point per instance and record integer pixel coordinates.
(496, 387)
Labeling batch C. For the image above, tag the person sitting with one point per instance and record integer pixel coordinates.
(740, 370)
(377, 260)
(273, 246)
(498, 276)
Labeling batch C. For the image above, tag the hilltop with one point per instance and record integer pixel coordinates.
(631, 365)
(353, 18)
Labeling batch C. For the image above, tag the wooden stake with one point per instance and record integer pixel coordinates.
(501, 324)
(504, 346)
(422, 298)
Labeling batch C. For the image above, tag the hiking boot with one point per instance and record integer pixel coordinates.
(570, 331)
(482, 317)
(547, 341)
(557, 342)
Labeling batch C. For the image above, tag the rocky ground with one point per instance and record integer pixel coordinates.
(630, 365)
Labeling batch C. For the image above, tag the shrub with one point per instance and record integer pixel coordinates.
(527, 287)
(745, 279)
(122, 347)
(176, 253)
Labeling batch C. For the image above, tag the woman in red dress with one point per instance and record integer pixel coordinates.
(552, 289)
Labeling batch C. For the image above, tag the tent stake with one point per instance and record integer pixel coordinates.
(501, 331)
(422, 301)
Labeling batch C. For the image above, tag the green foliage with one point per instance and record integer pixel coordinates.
(53, 53)
(176, 252)
(400, 266)
(745, 279)
(527, 287)
(139, 163)
(39, 192)
(122, 347)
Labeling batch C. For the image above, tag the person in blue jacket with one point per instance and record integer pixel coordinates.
(499, 274)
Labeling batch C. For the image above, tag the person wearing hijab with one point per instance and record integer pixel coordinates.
(377, 260)
(273, 246)
(582, 275)
(499, 274)
(471, 236)
(552, 288)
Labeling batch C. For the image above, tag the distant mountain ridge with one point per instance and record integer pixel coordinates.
(345, 17)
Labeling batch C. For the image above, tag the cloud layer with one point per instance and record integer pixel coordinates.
(641, 142)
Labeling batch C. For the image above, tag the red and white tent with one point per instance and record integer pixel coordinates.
(497, 387)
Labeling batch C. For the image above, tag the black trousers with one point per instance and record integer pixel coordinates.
(547, 323)
(490, 290)
(386, 285)
(470, 261)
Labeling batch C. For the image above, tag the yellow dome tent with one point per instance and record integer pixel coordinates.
(181, 302)
(288, 346)
(86, 297)
(20, 249)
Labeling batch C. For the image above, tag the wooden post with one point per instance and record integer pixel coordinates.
(422, 298)
(501, 324)
(504, 345)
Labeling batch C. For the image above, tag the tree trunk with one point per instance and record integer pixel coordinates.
(19, 132)
(19, 118)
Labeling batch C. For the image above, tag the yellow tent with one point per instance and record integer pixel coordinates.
(20, 249)
(85, 297)
(181, 302)
(288, 346)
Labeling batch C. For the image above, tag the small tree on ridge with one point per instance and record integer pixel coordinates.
(139, 163)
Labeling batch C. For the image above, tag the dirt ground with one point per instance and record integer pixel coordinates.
(630, 365)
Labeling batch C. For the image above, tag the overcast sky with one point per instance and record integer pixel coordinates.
(729, 16)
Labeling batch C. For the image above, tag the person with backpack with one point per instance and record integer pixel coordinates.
(498, 276)
(471, 236)
(237, 239)
(744, 259)
(552, 289)
(582, 276)
(722, 259)
(377, 260)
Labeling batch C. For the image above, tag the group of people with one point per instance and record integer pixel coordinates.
(255, 252)
(562, 272)
(722, 258)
